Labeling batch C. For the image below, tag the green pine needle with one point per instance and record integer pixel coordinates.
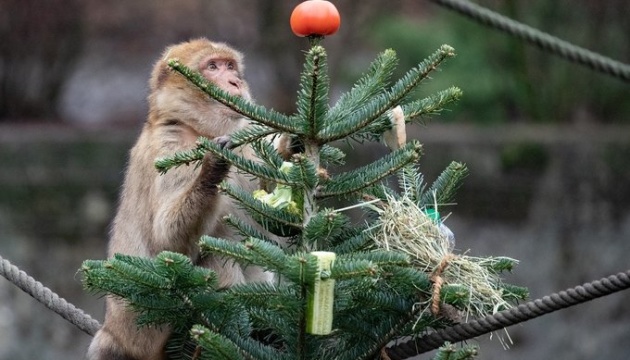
(368, 86)
(187, 157)
(361, 178)
(251, 133)
(411, 182)
(414, 112)
(324, 227)
(431, 105)
(244, 107)
(382, 102)
(414, 77)
(448, 351)
(409, 279)
(250, 166)
(215, 346)
(442, 192)
(266, 152)
(269, 256)
(245, 229)
(266, 215)
(312, 100)
(344, 270)
(260, 294)
(204, 145)
(331, 155)
(358, 242)
(304, 173)
(301, 269)
(499, 264)
(257, 252)
(378, 257)
(515, 293)
(225, 248)
(355, 121)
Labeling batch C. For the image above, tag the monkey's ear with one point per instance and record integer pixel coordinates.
(160, 75)
(161, 70)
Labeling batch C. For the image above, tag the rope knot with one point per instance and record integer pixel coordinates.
(438, 281)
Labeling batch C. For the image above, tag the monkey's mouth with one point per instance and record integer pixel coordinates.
(234, 88)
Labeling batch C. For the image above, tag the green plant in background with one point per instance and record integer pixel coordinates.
(492, 83)
(345, 289)
(505, 75)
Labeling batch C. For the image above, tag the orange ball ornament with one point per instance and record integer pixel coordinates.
(315, 18)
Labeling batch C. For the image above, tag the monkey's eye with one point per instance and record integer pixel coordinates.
(231, 65)
(212, 65)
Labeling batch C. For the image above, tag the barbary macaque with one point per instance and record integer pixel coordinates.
(172, 211)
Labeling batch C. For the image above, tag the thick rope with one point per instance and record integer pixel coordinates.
(47, 297)
(543, 40)
(521, 313)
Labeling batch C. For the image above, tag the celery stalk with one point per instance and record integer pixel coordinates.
(319, 311)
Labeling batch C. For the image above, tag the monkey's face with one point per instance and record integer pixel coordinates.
(224, 73)
(172, 95)
(218, 63)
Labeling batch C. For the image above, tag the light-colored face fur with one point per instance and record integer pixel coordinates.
(188, 103)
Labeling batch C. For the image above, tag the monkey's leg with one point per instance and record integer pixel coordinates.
(121, 339)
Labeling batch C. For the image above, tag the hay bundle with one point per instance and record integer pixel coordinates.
(405, 227)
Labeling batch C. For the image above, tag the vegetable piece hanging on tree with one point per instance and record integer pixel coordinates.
(319, 312)
(282, 196)
(315, 18)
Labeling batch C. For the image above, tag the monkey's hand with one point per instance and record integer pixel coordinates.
(288, 146)
(214, 169)
(225, 142)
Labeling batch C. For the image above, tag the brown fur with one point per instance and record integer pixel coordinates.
(171, 211)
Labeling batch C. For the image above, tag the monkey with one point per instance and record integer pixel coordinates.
(171, 211)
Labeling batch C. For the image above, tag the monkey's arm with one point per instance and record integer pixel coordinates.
(185, 200)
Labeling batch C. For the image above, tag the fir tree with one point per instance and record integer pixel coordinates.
(386, 281)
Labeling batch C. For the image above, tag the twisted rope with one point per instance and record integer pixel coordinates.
(47, 297)
(543, 40)
(509, 317)
(437, 280)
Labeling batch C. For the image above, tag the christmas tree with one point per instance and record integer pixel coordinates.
(346, 288)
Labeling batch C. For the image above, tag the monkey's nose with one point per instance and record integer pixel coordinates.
(236, 84)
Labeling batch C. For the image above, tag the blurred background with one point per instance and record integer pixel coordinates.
(547, 142)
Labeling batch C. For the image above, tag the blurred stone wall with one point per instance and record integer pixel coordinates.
(555, 198)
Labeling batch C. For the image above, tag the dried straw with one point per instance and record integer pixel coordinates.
(405, 227)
